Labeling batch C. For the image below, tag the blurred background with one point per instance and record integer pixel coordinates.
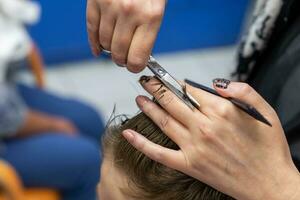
(51, 132)
(198, 40)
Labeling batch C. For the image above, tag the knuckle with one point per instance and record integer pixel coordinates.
(205, 128)
(209, 137)
(244, 90)
(154, 14)
(106, 3)
(147, 108)
(158, 156)
(164, 122)
(207, 133)
(140, 145)
(127, 6)
(273, 113)
(224, 110)
(166, 100)
(157, 13)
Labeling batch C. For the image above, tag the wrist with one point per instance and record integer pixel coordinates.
(285, 187)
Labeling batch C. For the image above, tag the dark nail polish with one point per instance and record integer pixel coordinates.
(221, 83)
(145, 79)
(158, 89)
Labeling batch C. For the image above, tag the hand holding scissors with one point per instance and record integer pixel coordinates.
(179, 90)
(219, 143)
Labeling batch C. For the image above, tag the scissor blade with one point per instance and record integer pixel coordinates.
(171, 83)
(161, 73)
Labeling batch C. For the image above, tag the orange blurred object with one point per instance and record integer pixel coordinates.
(9, 179)
(14, 189)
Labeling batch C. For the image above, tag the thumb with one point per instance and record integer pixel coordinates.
(243, 92)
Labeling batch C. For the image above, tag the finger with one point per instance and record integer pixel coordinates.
(141, 47)
(168, 157)
(172, 128)
(92, 21)
(106, 30)
(242, 92)
(170, 102)
(208, 102)
(122, 38)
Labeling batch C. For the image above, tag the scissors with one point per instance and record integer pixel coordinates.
(180, 90)
(168, 81)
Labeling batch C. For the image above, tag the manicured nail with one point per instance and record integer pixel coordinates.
(144, 79)
(128, 134)
(141, 101)
(221, 83)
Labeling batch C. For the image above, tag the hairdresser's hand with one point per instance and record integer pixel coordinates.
(221, 145)
(126, 27)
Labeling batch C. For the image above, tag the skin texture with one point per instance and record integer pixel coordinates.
(37, 122)
(128, 28)
(112, 181)
(239, 156)
(139, 177)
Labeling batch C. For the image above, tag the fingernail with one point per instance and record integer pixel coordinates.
(221, 83)
(95, 52)
(141, 101)
(119, 65)
(144, 79)
(128, 134)
(98, 48)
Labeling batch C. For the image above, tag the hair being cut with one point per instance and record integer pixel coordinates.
(147, 179)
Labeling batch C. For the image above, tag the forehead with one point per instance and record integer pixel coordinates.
(113, 184)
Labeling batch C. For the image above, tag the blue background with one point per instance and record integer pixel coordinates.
(188, 24)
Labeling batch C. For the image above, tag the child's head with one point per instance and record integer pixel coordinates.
(128, 174)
